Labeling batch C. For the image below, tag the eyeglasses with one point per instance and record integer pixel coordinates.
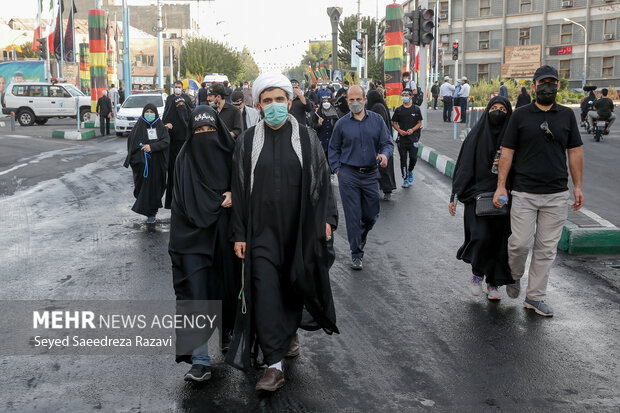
(545, 128)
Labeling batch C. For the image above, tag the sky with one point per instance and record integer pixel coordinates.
(284, 26)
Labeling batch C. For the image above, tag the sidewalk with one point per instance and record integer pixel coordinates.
(584, 233)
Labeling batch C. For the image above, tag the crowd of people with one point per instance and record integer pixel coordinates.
(248, 177)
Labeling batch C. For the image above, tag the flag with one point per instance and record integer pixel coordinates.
(58, 34)
(68, 46)
(49, 13)
(312, 74)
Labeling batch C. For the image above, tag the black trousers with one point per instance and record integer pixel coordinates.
(447, 108)
(277, 309)
(463, 103)
(435, 98)
(407, 150)
(104, 120)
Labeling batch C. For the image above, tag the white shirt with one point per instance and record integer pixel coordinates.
(464, 90)
(446, 90)
(411, 85)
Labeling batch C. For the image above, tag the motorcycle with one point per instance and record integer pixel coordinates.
(599, 128)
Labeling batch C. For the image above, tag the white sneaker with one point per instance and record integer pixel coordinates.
(476, 285)
(493, 293)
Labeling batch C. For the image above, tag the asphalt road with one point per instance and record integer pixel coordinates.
(413, 339)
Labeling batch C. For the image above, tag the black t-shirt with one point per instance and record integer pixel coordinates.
(539, 163)
(407, 118)
(604, 107)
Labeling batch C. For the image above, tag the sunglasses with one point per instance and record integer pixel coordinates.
(545, 128)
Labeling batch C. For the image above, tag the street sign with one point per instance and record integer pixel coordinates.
(521, 61)
(560, 50)
(456, 114)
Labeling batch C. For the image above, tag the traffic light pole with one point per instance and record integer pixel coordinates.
(359, 37)
(366, 56)
(423, 68)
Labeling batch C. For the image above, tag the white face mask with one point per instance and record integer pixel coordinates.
(326, 105)
(177, 90)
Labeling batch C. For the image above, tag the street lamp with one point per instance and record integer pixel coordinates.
(13, 43)
(585, 50)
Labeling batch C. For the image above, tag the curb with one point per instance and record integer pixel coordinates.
(91, 125)
(73, 135)
(574, 240)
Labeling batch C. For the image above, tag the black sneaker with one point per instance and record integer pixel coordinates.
(198, 372)
(356, 264)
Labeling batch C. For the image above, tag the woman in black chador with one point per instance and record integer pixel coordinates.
(376, 103)
(201, 253)
(147, 153)
(486, 237)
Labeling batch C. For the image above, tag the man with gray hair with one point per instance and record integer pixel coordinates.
(280, 187)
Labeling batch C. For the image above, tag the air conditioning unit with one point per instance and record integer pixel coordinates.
(443, 16)
(567, 3)
(608, 36)
(523, 34)
(484, 45)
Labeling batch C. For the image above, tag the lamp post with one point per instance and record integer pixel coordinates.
(13, 43)
(585, 51)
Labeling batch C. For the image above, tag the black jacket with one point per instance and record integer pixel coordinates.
(231, 116)
(299, 110)
(104, 106)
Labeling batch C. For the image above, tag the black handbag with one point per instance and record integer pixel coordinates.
(485, 207)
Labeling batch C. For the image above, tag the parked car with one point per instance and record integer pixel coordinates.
(132, 107)
(36, 102)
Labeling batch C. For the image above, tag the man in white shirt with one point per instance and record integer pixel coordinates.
(409, 83)
(464, 98)
(445, 92)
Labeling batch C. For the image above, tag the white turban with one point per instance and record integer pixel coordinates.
(267, 80)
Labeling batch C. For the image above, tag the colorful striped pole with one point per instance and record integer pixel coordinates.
(98, 61)
(393, 61)
(84, 67)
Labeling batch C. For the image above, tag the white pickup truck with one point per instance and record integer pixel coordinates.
(36, 102)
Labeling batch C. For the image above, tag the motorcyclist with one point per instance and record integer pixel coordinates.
(586, 106)
(603, 108)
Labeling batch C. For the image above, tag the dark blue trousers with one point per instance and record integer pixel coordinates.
(360, 196)
(447, 108)
(463, 102)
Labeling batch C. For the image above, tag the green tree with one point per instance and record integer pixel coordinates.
(250, 69)
(317, 52)
(347, 31)
(27, 51)
(200, 55)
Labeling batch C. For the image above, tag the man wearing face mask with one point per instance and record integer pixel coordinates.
(464, 98)
(176, 117)
(408, 82)
(249, 115)
(407, 120)
(280, 188)
(325, 91)
(445, 91)
(535, 146)
(300, 105)
(360, 143)
(247, 95)
(227, 112)
(343, 90)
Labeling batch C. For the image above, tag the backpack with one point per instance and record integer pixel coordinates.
(419, 98)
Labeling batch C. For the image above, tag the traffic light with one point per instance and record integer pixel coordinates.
(427, 26)
(360, 48)
(413, 27)
(455, 51)
(42, 49)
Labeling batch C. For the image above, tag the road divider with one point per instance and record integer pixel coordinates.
(600, 240)
(73, 135)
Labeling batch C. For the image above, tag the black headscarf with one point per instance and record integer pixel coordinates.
(203, 172)
(178, 114)
(139, 135)
(330, 113)
(376, 103)
(472, 174)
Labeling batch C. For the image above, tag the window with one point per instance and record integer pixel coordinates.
(163, 35)
(485, 8)
(58, 92)
(526, 6)
(567, 34)
(610, 27)
(608, 67)
(564, 71)
(524, 36)
(483, 72)
(443, 10)
(144, 60)
(483, 40)
(173, 36)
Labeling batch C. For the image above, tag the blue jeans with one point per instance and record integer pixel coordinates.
(200, 355)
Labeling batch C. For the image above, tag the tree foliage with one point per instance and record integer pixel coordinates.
(249, 67)
(347, 31)
(27, 51)
(200, 55)
(317, 52)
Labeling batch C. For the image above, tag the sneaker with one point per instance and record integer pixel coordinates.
(540, 307)
(356, 264)
(387, 196)
(476, 285)
(410, 176)
(406, 184)
(150, 220)
(198, 372)
(513, 290)
(493, 293)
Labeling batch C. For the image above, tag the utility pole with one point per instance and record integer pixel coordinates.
(359, 36)
(334, 17)
(160, 48)
(423, 68)
(377, 31)
(366, 56)
(126, 58)
(171, 69)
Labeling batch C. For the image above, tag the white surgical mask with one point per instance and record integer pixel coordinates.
(326, 105)
(177, 90)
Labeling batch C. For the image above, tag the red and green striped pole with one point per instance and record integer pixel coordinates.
(98, 58)
(393, 60)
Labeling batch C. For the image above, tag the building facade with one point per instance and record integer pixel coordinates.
(484, 28)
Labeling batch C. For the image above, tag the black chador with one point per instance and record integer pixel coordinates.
(177, 112)
(281, 192)
(376, 103)
(149, 168)
(200, 249)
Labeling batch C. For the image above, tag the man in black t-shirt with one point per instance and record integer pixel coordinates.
(407, 120)
(537, 140)
(603, 108)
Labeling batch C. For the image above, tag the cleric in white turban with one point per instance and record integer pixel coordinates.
(280, 224)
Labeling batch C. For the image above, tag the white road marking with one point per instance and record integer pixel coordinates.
(601, 221)
(13, 168)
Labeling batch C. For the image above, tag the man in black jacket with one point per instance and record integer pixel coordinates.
(104, 110)
(230, 115)
(202, 94)
(300, 105)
